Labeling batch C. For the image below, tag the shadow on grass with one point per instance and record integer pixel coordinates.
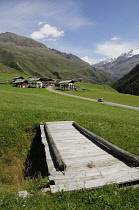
(35, 163)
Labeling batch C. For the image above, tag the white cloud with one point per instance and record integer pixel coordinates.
(37, 35)
(113, 50)
(50, 39)
(90, 60)
(108, 50)
(41, 23)
(47, 31)
(115, 38)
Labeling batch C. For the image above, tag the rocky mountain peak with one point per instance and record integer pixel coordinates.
(121, 65)
(9, 37)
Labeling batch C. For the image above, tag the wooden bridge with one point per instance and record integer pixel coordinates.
(78, 159)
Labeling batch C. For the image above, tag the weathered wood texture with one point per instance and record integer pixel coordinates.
(56, 156)
(87, 165)
(133, 159)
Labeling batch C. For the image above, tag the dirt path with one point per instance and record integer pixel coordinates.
(50, 88)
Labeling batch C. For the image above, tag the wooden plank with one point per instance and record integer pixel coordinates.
(91, 184)
(116, 150)
(76, 179)
(89, 159)
(71, 139)
(77, 152)
(47, 152)
(60, 165)
(95, 174)
(75, 174)
(88, 150)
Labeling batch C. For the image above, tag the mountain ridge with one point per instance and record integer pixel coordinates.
(9, 37)
(121, 65)
(33, 58)
(70, 56)
(129, 83)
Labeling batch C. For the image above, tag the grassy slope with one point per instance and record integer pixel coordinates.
(45, 63)
(106, 92)
(129, 83)
(7, 69)
(22, 110)
(8, 76)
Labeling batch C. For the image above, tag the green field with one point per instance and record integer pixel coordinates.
(8, 76)
(106, 92)
(22, 110)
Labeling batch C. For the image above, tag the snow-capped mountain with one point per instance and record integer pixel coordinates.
(130, 53)
(121, 65)
(122, 56)
(104, 61)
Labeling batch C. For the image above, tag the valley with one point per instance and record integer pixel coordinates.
(23, 109)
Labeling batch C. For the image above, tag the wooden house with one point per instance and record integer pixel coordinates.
(67, 85)
(21, 83)
(79, 79)
(30, 79)
(17, 78)
(46, 82)
(34, 82)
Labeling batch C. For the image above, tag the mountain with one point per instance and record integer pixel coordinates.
(130, 53)
(19, 54)
(104, 61)
(129, 83)
(19, 40)
(71, 57)
(121, 65)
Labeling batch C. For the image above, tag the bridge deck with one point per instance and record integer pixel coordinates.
(88, 166)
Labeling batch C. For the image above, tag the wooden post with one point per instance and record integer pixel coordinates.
(132, 159)
(56, 156)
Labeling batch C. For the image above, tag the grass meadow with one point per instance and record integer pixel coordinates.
(103, 91)
(22, 111)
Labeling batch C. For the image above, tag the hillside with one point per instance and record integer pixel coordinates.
(30, 57)
(120, 66)
(71, 57)
(129, 83)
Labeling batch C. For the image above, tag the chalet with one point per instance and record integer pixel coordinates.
(34, 82)
(79, 79)
(17, 78)
(21, 83)
(46, 82)
(33, 79)
(67, 85)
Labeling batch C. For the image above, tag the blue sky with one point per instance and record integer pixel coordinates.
(90, 29)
